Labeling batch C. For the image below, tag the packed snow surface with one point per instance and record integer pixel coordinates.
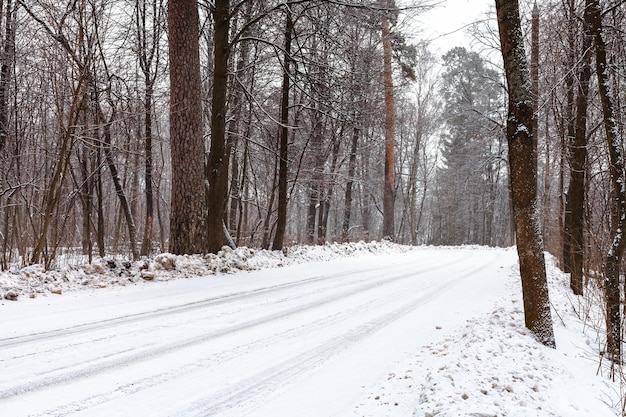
(351, 330)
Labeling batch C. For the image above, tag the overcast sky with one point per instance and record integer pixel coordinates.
(445, 23)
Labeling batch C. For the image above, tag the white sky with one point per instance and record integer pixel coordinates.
(445, 23)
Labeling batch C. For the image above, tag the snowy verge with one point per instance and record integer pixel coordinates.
(104, 272)
(493, 366)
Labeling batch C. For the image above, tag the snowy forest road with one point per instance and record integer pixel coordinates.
(301, 340)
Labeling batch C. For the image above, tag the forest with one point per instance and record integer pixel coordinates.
(315, 85)
(306, 122)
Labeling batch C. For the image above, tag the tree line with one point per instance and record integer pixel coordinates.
(327, 115)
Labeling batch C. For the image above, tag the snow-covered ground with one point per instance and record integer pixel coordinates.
(359, 329)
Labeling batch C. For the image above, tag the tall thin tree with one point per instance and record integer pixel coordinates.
(390, 125)
(281, 224)
(217, 164)
(575, 199)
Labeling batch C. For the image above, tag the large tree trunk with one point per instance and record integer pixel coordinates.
(524, 175)
(618, 179)
(217, 165)
(281, 224)
(389, 187)
(188, 230)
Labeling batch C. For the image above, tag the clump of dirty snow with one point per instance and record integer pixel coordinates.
(109, 271)
(494, 366)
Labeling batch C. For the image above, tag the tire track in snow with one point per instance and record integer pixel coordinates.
(129, 356)
(155, 315)
(210, 361)
(187, 307)
(152, 314)
(124, 322)
(269, 380)
(61, 376)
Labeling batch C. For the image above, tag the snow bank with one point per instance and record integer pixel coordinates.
(494, 366)
(104, 272)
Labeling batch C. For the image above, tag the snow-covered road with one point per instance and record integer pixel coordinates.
(305, 340)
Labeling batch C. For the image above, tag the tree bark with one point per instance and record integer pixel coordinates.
(347, 211)
(578, 166)
(523, 174)
(5, 71)
(100, 195)
(618, 178)
(566, 217)
(534, 78)
(188, 229)
(281, 224)
(217, 165)
(389, 184)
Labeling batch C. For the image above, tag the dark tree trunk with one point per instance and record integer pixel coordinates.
(347, 211)
(578, 165)
(100, 195)
(217, 166)
(281, 224)
(146, 243)
(188, 229)
(523, 174)
(234, 132)
(618, 179)
(566, 217)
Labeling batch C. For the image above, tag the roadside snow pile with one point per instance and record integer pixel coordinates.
(103, 272)
(493, 366)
